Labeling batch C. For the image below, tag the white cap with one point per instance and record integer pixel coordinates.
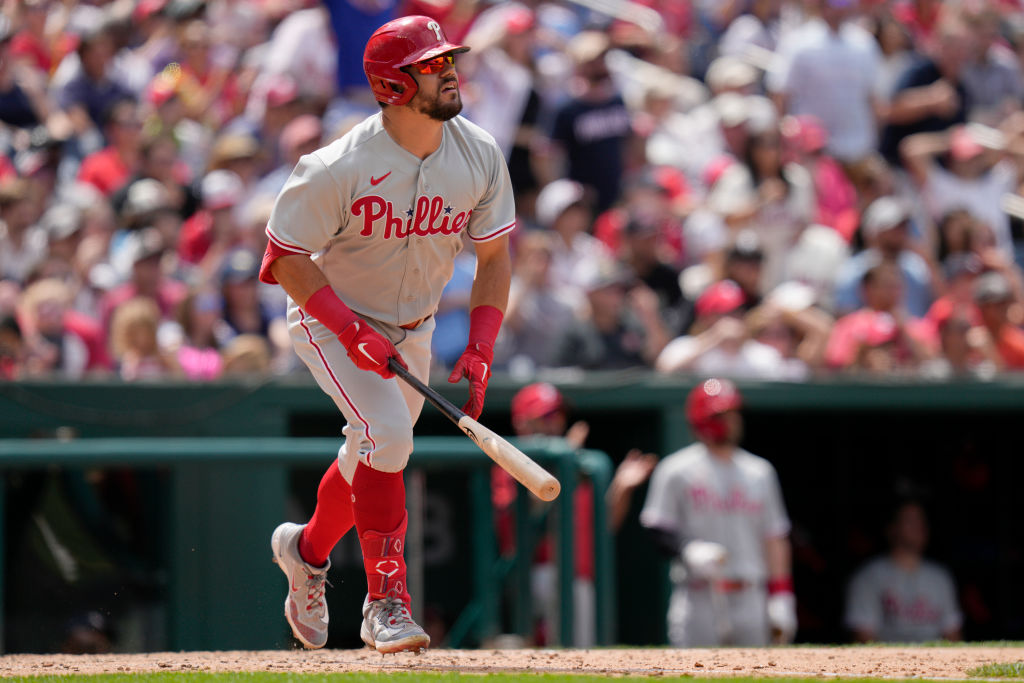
(733, 192)
(883, 214)
(729, 72)
(555, 198)
(221, 189)
(792, 296)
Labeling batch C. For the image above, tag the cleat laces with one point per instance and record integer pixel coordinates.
(398, 612)
(315, 587)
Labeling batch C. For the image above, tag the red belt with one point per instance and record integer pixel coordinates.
(416, 323)
(720, 585)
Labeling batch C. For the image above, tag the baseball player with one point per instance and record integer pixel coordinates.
(718, 510)
(362, 238)
(903, 597)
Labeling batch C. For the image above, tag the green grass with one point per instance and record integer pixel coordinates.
(1007, 670)
(263, 677)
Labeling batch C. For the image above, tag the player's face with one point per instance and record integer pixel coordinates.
(437, 93)
(733, 427)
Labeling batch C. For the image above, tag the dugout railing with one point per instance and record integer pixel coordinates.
(224, 495)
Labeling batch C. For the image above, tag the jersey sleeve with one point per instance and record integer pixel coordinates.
(863, 603)
(308, 211)
(495, 213)
(661, 508)
(776, 521)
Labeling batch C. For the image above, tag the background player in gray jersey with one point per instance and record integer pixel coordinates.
(362, 238)
(718, 511)
(901, 597)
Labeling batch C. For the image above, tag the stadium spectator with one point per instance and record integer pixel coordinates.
(110, 168)
(538, 314)
(994, 295)
(719, 341)
(59, 342)
(880, 337)
(22, 246)
(590, 131)
(829, 69)
(623, 329)
(133, 342)
(931, 96)
(564, 208)
(885, 227)
(980, 166)
(145, 251)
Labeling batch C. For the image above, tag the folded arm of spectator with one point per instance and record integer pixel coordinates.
(919, 151)
(682, 353)
(814, 325)
(913, 104)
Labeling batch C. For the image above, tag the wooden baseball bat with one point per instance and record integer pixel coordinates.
(527, 472)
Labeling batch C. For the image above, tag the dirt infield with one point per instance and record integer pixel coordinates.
(874, 662)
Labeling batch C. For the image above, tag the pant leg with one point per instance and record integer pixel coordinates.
(692, 619)
(749, 612)
(379, 412)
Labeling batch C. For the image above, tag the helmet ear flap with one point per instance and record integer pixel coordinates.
(397, 89)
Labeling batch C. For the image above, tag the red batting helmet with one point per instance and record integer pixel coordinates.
(536, 400)
(705, 405)
(397, 44)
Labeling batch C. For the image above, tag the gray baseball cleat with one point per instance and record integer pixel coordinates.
(388, 627)
(305, 607)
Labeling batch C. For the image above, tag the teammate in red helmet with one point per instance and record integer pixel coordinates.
(362, 238)
(718, 510)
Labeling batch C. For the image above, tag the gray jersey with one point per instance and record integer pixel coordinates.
(384, 225)
(737, 503)
(901, 606)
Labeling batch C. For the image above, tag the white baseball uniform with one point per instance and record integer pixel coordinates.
(385, 226)
(736, 503)
(903, 606)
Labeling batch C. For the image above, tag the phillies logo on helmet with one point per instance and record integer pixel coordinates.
(432, 216)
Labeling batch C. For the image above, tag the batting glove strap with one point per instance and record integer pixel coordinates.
(325, 306)
(484, 323)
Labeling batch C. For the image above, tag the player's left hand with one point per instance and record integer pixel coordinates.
(475, 365)
(782, 617)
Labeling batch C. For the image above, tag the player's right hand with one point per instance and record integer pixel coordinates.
(705, 559)
(369, 349)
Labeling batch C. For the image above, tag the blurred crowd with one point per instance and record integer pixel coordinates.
(771, 189)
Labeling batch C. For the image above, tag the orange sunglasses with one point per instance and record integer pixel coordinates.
(435, 65)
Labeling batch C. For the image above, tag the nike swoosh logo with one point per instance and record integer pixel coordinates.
(363, 351)
(294, 588)
(376, 181)
(485, 368)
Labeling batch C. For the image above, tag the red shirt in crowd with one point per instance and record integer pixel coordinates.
(105, 170)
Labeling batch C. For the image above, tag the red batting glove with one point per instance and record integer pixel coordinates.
(475, 365)
(368, 348)
(475, 362)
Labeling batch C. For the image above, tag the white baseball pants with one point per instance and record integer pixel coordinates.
(380, 413)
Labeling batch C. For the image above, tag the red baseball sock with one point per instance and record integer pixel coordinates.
(379, 510)
(331, 519)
